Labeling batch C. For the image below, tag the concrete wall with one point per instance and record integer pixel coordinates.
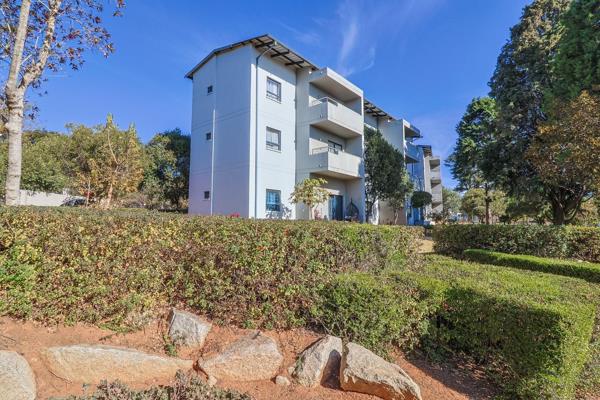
(44, 199)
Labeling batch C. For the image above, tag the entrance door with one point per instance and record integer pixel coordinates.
(336, 207)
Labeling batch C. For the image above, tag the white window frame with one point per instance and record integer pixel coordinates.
(275, 146)
(274, 95)
(278, 192)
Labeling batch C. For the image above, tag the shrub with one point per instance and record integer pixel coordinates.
(532, 330)
(101, 267)
(536, 240)
(584, 270)
(185, 387)
(373, 311)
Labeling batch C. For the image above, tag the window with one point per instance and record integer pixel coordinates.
(273, 200)
(273, 139)
(273, 89)
(206, 194)
(209, 89)
(334, 147)
(208, 135)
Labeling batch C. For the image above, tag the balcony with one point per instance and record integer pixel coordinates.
(436, 177)
(334, 117)
(411, 153)
(335, 163)
(333, 83)
(436, 197)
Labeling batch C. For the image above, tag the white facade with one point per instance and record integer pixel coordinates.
(264, 119)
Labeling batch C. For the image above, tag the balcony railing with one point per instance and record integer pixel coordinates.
(330, 115)
(411, 152)
(334, 162)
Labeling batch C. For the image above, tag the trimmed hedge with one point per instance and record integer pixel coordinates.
(584, 270)
(531, 330)
(576, 242)
(112, 268)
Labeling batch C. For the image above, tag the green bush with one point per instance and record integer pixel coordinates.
(584, 270)
(536, 240)
(531, 330)
(105, 267)
(373, 311)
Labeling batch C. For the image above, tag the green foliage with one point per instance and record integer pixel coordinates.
(577, 63)
(420, 199)
(531, 330)
(476, 135)
(185, 387)
(374, 311)
(385, 171)
(584, 270)
(310, 192)
(101, 267)
(576, 242)
(473, 203)
(166, 176)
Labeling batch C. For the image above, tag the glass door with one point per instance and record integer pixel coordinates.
(336, 207)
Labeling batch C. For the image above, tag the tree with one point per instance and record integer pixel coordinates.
(108, 162)
(166, 178)
(470, 160)
(45, 34)
(385, 171)
(577, 63)
(310, 192)
(474, 203)
(566, 155)
(451, 203)
(420, 199)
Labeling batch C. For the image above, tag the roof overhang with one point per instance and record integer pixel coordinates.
(375, 111)
(273, 47)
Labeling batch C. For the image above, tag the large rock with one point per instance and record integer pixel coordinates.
(251, 358)
(17, 381)
(364, 372)
(188, 329)
(91, 364)
(319, 362)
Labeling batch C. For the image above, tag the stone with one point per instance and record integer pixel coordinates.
(364, 372)
(17, 381)
(93, 363)
(282, 380)
(251, 358)
(211, 381)
(188, 329)
(319, 362)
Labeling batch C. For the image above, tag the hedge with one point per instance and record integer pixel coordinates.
(114, 268)
(584, 270)
(531, 330)
(582, 243)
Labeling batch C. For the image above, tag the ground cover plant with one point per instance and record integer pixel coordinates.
(584, 270)
(576, 242)
(108, 268)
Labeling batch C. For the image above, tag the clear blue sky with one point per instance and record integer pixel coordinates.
(422, 60)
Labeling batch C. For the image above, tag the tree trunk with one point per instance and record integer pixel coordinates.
(487, 204)
(15, 98)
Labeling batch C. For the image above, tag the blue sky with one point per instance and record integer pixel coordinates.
(422, 60)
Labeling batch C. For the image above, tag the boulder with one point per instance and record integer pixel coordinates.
(188, 329)
(93, 363)
(319, 362)
(253, 357)
(282, 380)
(17, 381)
(364, 372)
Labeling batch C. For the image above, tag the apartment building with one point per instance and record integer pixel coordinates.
(265, 118)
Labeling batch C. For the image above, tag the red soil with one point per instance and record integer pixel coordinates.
(29, 339)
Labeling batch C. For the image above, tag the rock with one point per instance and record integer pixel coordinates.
(17, 381)
(253, 357)
(282, 380)
(93, 363)
(211, 381)
(188, 329)
(319, 362)
(364, 372)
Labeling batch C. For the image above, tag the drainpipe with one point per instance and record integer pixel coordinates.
(256, 129)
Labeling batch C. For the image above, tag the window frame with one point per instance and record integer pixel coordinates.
(208, 136)
(207, 195)
(209, 89)
(272, 145)
(271, 95)
(269, 206)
